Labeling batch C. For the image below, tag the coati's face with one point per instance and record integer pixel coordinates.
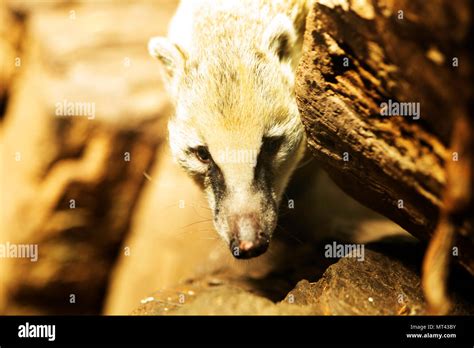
(237, 132)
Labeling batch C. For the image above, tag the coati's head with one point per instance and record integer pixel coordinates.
(236, 129)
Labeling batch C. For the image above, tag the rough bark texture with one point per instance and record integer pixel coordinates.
(358, 55)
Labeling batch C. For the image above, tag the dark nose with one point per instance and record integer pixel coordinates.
(247, 239)
(244, 249)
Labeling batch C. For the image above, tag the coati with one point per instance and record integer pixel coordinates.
(229, 67)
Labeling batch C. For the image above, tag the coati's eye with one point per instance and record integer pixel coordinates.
(271, 145)
(202, 153)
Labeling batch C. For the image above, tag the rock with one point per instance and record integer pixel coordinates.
(386, 282)
(225, 300)
(220, 300)
(377, 286)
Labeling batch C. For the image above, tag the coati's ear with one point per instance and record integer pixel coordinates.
(168, 53)
(280, 36)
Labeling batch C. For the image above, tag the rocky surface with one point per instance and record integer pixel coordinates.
(382, 284)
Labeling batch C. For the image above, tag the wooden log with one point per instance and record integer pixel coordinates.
(358, 56)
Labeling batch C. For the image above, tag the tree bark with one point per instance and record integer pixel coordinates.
(359, 55)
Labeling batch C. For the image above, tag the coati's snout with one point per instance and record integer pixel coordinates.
(246, 249)
(245, 213)
(249, 235)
